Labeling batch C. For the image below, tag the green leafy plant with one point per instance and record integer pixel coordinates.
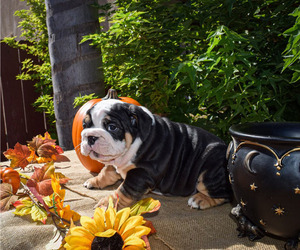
(37, 68)
(80, 100)
(292, 51)
(210, 63)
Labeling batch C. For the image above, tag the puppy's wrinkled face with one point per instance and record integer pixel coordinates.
(111, 132)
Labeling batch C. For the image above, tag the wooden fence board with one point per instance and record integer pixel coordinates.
(18, 116)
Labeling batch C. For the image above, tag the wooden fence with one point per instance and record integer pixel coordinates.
(19, 120)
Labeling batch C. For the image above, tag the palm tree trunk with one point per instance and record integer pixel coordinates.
(75, 67)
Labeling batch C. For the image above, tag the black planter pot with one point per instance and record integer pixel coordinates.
(264, 171)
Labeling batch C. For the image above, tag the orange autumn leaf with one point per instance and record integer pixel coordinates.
(57, 199)
(32, 157)
(18, 156)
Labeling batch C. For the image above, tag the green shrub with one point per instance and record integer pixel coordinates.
(292, 51)
(212, 63)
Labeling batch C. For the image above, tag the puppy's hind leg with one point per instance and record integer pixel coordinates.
(202, 200)
(107, 176)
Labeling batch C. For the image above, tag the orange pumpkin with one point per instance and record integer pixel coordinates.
(11, 176)
(87, 162)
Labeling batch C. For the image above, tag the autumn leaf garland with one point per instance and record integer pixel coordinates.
(41, 207)
(41, 195)
(41, 149)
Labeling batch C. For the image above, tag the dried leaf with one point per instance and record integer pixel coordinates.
(148, 205)
(7, 198)
(18, 156)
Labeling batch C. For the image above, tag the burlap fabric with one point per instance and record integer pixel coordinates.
(178, 226)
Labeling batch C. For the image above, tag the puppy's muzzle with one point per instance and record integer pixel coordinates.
(92, 140)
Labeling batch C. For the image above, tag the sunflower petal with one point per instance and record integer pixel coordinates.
(134, 241)
(121, 217)
(74, 241)
(99, 215)
(68, 247)
(110, 216)
(107, 234)
(131, 222)
(137, 231)
(89, 224)
(110, 202)
(133, 248)
(81, 232)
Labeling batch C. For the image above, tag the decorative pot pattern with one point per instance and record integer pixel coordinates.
(264, 171)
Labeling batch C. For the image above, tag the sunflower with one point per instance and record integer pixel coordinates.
(108, 230)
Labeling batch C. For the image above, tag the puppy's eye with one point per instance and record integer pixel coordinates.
(111, 127)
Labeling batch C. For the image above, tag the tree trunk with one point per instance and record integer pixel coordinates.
(75, 67)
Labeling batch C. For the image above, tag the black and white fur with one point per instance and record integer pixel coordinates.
(151, 153)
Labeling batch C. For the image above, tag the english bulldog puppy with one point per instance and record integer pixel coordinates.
(151, 153)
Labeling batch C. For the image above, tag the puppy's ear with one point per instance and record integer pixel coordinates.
(134, 120)
(87, 120)
(142, 119)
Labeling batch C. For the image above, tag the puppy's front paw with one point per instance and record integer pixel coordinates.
(91, 183)
(118, 198)
(202, 201)
(103, 202)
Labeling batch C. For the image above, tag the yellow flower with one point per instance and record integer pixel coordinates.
(117, 230)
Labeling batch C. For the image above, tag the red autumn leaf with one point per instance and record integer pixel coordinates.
(61, 158)
(46, 150)
(59, 150)
(32, 185)
(44, 172)
(146, 240)
(41, 179)
(18, 156)
(149, 224)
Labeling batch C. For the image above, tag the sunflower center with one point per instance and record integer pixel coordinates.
(114, 242)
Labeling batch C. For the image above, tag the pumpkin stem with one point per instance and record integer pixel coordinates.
(111, 94)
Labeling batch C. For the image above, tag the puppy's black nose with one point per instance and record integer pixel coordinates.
(92, 139)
